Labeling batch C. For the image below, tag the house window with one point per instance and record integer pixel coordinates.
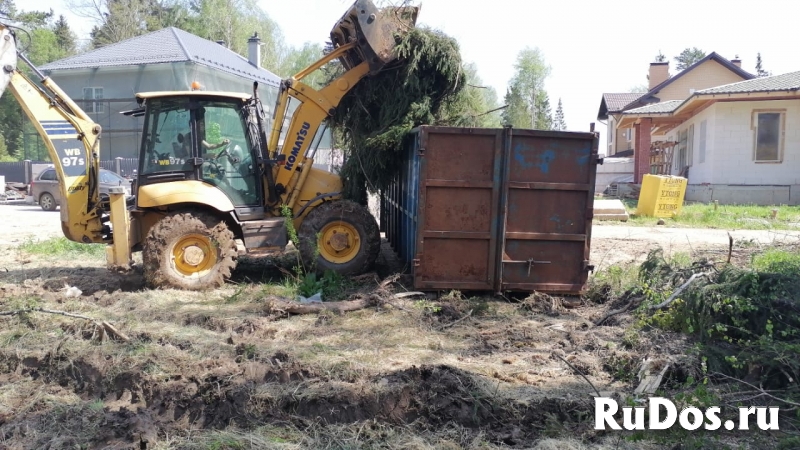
(683, 158)
(93, 93)
(769, 130)
(703, 130)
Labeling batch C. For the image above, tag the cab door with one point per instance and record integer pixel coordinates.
(222, 142)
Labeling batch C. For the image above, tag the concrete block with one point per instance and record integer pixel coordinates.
(619, 217)
(610, 210)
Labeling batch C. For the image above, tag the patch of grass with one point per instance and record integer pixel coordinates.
(777, 261)
(701, 215)
(62, 246)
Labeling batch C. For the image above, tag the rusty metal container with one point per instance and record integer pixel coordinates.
(494, 209)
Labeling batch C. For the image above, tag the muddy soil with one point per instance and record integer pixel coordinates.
(221, 370)
(144, 408)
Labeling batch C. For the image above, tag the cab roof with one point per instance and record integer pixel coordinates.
(158, 94)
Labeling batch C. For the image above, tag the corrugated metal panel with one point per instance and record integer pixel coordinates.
(494, 209)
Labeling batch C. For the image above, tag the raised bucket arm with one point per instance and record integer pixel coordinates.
(364, 41)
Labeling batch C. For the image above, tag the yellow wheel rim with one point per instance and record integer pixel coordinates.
(339, 242)
(194, 255)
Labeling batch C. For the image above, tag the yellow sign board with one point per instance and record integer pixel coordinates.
(661, 196)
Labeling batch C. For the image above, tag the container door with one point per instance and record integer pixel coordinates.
(547, 204)
(459, 190)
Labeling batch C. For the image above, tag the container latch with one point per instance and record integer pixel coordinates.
(530, 262)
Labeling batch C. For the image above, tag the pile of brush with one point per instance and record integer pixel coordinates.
(373, 121)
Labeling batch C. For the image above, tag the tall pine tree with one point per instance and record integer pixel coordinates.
(558, 122)
(760, 72)
(688, 57)
(65, 38)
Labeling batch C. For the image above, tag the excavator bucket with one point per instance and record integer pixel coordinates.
(8, 57)
(374, 31)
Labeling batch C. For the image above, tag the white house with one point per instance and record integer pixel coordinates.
(736, 143)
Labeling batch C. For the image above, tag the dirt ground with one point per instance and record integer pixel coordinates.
(228, 369)
(611, 243)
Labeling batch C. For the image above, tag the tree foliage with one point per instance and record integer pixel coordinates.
(528, 105)
(476, 105)
(688, 57)
(760, 72)
(377, 115)
(45, 38)
(660, 57)
(296, 59)
(558, 122)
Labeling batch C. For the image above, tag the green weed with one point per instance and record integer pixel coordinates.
(777, 261)
(701, 215)
(62, 246)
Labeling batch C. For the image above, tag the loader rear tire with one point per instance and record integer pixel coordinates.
(349, 241)
(189, 250)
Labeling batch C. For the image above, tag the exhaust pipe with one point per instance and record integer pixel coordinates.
(375, 32)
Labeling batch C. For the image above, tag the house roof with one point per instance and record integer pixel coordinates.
(665, 107)
(650, 96)
(613, 103)
(667, 115)
(786, 82)
(168, 45)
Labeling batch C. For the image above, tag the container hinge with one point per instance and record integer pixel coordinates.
(587, 266)
(421, 151)
(599, 160)
(415, 262)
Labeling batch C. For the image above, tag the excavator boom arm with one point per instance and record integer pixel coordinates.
(71, 138)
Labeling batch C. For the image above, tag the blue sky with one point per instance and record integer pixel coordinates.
(592, 46)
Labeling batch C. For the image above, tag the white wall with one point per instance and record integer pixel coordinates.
(613, 170)
(729, 146)
(700, 172)
(732, 149)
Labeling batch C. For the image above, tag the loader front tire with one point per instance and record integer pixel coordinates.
(341, 236)
(189, 250)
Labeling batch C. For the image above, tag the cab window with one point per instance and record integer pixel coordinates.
(168, 141)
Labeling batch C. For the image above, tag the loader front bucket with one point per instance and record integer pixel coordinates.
(8, 57)
(375, 32)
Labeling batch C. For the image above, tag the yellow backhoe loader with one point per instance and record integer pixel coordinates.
(197, 204)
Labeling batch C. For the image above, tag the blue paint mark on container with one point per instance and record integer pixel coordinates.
(519, 156)
(544, 160)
